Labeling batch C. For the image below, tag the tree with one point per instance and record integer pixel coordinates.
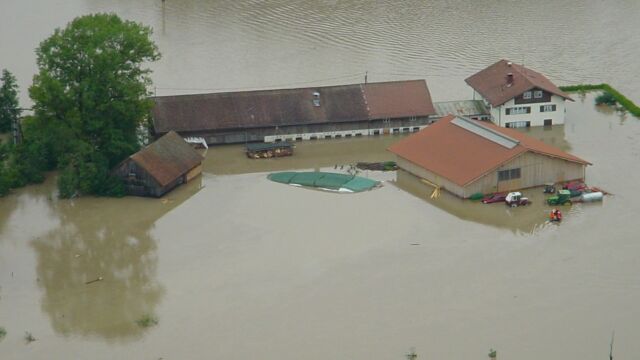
(91, 98)
(9, 105)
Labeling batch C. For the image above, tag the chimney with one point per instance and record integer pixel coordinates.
(509, 63)
(316, 98)
(509, 79)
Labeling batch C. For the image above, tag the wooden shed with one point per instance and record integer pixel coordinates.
(160, 167)
(467, 156)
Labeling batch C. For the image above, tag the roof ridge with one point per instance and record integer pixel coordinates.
(268, 89)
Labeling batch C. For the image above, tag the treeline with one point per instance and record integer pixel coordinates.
(91, 107)
(621, 99)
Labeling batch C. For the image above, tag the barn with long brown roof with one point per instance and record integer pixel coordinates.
(160, 166)
(467, 156)
(293, 114)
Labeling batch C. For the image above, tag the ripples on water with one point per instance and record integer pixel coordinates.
(237, 45)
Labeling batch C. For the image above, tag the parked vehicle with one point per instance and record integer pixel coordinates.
(494, 198)
(575, 186)
(563, 198)
(515, 199)
(549, 188)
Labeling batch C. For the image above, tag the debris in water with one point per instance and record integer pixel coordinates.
(28, 337)
(100, 278)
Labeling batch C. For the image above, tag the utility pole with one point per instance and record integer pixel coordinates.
(15, 130)
(366, 73)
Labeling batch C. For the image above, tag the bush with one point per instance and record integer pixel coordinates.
(606, 98)
(88, 173)
(147, 321)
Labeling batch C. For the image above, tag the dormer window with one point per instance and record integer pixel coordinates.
(526, 95)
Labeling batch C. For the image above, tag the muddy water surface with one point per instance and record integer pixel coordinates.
(235, 266)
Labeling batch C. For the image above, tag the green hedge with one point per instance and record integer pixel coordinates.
(622, 100)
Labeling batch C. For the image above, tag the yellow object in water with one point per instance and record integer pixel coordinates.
(436, 188)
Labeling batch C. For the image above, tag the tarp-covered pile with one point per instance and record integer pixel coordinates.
(325, 180)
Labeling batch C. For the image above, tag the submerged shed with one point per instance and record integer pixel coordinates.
(160, 167)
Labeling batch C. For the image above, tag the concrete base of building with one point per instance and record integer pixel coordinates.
(342, 134)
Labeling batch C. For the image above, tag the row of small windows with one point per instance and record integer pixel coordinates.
(511, 174)
(518, 110)
(537, 94)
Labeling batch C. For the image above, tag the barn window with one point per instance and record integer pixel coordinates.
(511, 174)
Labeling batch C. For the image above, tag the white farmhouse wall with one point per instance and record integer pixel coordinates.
(499, 113)
(500, 117)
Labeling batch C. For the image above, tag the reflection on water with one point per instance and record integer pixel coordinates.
(311, 154)
(98, 238)
(525, 219)
(552, 135)
(324, 154)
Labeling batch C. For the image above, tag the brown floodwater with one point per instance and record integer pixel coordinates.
(235, 266)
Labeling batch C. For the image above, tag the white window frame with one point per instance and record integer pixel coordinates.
(519, 110)
(526, 95)
(517, 124)
(537, 94)
(548, 108)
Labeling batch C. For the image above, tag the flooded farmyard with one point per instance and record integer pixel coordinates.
(232, 265)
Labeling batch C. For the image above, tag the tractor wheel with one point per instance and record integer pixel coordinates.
(513, 205)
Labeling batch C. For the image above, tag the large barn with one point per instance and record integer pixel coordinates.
(160, 167)
(297, 114)
(465, 157)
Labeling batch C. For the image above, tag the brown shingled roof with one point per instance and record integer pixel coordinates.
(167, 158)
(463, 156)
(491, 82)
(267, 108)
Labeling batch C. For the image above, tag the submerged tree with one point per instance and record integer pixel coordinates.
(91, 99)
(606, 98)
(9, 105)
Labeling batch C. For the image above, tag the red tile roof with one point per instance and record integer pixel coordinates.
(492, 82)
(167, 158)
(463, 156)
(268, 108)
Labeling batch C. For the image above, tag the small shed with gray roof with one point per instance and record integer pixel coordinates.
(473, 109)
(160, 167)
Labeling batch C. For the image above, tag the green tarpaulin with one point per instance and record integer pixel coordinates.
(324, 180)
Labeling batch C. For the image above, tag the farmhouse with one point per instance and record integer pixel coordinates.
(160, 167)
(518, 96)
(297, 114)
(467, 156)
